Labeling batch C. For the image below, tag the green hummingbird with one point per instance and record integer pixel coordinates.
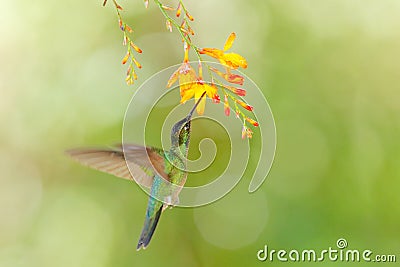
(164, 172)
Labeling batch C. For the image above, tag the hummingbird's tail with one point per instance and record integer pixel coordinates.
(150, 225)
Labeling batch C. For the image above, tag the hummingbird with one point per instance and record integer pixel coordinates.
(164, 172)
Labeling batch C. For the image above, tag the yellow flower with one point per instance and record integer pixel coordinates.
(192, 86)
(230, 60)
(185, 73)
(196, 89)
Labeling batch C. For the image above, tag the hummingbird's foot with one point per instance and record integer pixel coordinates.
(175, 202)
(168, 200)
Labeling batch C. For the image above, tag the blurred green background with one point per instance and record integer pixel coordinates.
(329, 69)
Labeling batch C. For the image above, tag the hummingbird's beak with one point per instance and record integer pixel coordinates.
(195, 106)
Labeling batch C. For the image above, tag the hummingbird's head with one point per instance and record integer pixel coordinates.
(180, 133)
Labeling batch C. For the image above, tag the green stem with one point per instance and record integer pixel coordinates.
(178, 27)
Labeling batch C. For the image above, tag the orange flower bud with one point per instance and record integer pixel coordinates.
(179, 10)
(234, 78)
(137, 49)
(240, 92)
(125, 59)
(226, 106)
(137, 63)
(189, 16)
(129, 29)
(190, 30)
(237, 91)
(253, 122)
(244, 105)
(183, 24)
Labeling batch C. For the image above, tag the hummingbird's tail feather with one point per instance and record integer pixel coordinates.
(150, 225)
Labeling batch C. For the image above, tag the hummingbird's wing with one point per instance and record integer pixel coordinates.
(132, 162)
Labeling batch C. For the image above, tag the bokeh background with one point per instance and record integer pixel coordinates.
(329, 69)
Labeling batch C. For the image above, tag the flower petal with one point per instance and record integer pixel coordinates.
(233, 60)
(212, 52)
(173, 78)
(229, 41)
(187, 76)
(234, 78)
(198, 93)
(186, 95)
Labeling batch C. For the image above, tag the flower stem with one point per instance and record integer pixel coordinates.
(178, 27)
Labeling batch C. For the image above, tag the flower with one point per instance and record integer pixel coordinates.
(197, 88)
(229, 60)
(185, 73)
(192, 86)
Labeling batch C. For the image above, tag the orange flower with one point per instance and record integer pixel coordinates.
(230, 60)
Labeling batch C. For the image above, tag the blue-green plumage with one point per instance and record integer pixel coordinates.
(153, 212)
(175, 164)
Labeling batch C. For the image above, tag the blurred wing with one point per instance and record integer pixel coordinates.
(143, 162)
